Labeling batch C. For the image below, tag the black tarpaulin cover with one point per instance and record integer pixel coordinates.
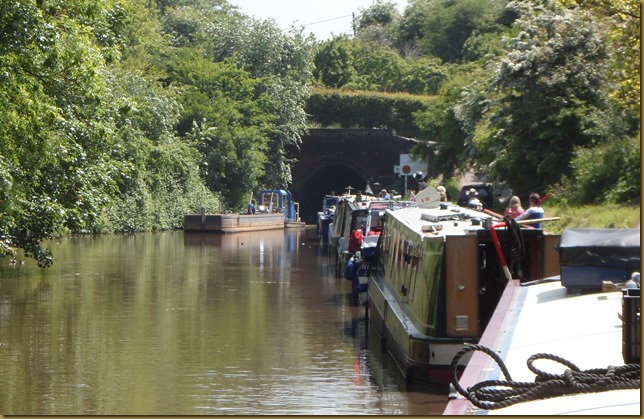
(609, 247)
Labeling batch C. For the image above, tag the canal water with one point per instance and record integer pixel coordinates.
(175, 323)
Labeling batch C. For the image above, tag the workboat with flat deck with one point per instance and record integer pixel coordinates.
(436, 279)
(275, 210)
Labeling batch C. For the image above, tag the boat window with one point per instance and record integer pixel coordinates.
(408, 247)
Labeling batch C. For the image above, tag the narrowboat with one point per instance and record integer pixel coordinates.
(437, 277)
(325, 217)
(549, 352)
(360, 221)
(275, 209)
(341, 221)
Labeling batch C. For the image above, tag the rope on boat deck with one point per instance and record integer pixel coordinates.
(496, 394)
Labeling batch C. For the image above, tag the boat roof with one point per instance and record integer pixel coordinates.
(584, 329)
(443, 220)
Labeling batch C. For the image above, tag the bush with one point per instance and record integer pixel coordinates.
(366, 110)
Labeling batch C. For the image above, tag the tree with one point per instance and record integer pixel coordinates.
(223, 119)
(380, 13)
(449, 24)
(56, 169)
(546, 97)
(283, 67)
(423, 76)
(449, 145)
(624, 38)
(379, 69)
(334, 62)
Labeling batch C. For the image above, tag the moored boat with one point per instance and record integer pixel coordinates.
(325, 217)
(562, 354)
(585, 322)
(437, 278)
(275, 210)
(359, 221)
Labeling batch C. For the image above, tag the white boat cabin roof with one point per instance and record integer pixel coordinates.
(445, 220)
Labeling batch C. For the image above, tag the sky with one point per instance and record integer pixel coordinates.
(322, 18)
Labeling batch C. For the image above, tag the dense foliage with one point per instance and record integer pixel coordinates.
(123, 115)
(529, 92)
(367, 109)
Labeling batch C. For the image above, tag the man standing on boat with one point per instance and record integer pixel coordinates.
(251, 207)
(355, 241)
(474, 202)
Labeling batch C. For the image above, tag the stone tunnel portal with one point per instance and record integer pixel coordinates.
(330, 160)
(332, 179)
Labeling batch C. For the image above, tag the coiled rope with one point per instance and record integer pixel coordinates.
(496, 394)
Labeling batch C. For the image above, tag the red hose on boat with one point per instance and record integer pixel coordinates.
(499, 251)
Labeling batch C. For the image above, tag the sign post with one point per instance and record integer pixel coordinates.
(409, 165)
(406, 169)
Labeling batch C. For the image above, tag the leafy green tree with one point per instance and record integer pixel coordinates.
(223, 119)
(161, 181)
(379, 68)
(283, 66)
(380, 13)
(449, 24)
(377, 23)
(546, 97)
(448, 145)
(56, 169)
(624, 39)
(334, 62)
(411, 26)
(423, 76)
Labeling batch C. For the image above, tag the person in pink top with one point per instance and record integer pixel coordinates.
(514, 208)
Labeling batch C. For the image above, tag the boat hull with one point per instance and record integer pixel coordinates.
(423, 360)
(233, 223)
(436, 283)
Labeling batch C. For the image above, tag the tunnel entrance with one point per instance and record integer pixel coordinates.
(330, 159)
(330, 179)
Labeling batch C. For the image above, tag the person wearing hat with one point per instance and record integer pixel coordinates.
(443, 193)
(473, 201)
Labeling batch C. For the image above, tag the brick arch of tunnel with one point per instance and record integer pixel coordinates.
(331, 159)
(328, 178)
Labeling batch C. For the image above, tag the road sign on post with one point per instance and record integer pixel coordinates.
(414, 165)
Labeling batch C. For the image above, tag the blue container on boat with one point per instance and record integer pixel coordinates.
(589, 256)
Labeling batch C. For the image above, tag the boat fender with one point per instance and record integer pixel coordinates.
(351, 271)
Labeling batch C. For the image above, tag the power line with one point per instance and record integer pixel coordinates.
(327, 20)
(304, 25)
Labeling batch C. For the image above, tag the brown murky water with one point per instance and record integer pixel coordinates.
(184, 324)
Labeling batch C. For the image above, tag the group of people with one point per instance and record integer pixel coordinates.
(516, 211)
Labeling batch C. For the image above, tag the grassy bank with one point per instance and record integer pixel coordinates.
(592, 216)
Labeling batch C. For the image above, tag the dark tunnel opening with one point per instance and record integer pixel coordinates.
(331, 179)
